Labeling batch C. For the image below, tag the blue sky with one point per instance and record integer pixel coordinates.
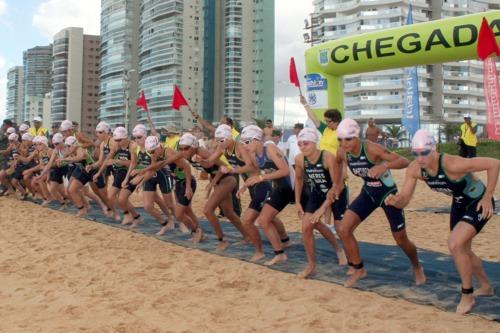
(28, 23)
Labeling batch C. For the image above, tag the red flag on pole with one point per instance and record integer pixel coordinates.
(486, 42)
(142, 101)
(178, 100)
(294, 78)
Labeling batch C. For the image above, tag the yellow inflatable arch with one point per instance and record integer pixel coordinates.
(445, 40)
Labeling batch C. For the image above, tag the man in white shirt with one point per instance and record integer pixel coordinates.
(291, 144)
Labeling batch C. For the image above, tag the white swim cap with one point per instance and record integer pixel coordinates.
(252, 132)
(103, 127)
(37, 119)
(423, 139)
(23, 128)
(66, 125)
(41, 139)
(152, 142)
(223, 132)
(70, 141)
(348, 128)
(120, 133)
(139, 130)
(57, 138)
(308, 134)
(11, 130)
(188, 139)
(27, 137)
(13, 137)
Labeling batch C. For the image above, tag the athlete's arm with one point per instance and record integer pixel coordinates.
(402, 198)
(299, 182)
(390, 160)
(277, 157)
(338, 181)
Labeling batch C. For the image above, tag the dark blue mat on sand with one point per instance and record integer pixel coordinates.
(389, 272)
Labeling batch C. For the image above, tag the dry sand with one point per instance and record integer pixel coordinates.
(63, 274)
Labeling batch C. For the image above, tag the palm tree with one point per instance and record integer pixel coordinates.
(395, 133)
(260, 122)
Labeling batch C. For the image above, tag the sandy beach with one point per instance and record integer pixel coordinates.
(59, 273)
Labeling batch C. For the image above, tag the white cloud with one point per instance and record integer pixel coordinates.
(3, 6)
(51, 16)
(289, 27)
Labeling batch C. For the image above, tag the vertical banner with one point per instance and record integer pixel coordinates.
(411, 111)
(492, 94)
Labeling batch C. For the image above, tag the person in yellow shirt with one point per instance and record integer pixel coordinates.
(37, 129)
(468, 138)
(172, 139)
(327, 128)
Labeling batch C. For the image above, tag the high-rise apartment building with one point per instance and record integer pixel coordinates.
(119, 61)
(447, 91)
(37, 64)
(238, 73)
(169, 53)
(15, 93)
(75, 78)
(219, 52)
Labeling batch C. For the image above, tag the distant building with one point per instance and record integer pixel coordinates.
(37, 64)
(75, 79)
(15, 94)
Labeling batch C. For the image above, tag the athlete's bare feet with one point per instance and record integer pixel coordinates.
(357, 275)
(485, 290)
(184, 229)
(117, 216)
(136, 221)
(286, 244)
(45, 203)
(127, 219)
(466, 304)
(277, 259)
(420, 277)
(108, 213)
(223, 245)
(341, 257)
(82, 212)
(245, 241)
(162, 231)
(350, 271)
(198, 235)
(310, 269)
(257, 256)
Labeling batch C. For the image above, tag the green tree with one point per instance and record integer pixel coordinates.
(395, 132)
(260, 122)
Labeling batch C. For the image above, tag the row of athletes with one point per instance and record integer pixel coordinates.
(319, 185)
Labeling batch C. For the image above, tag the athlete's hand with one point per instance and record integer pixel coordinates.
(134, 172)
(300, 210)
(110, 162)
(189, 192)
(225, 170)
(241, 191)
(486, 206)
(377, 171)
(316, 217)
(125, 183)
(393, 200)
(136, 180)
(332, 195)
(96, 177)
(253, 180)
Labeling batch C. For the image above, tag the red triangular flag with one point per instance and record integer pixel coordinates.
(486, 42)
(294, 78)
(178, 100)
(142, 101)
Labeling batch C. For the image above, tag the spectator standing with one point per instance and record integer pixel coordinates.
(37, 129)
(292, 148)
(468, 138)
(373, 132)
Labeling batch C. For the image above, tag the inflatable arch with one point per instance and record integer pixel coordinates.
(432, 42)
